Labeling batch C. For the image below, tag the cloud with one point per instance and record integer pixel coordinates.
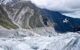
(72, 7)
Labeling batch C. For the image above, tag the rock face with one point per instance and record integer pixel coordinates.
(4, 20)
(22, 14)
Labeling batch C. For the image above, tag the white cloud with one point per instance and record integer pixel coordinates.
(70, 6)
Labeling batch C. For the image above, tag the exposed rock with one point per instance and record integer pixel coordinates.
(24, 14)
(4, 20)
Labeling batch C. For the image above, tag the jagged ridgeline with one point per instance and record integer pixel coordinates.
(22, 14)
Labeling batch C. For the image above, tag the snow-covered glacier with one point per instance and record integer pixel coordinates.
(69, 41)
(40, 39)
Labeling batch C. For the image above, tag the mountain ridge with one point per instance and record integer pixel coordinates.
(25, 15)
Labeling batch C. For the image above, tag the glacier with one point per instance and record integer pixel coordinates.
(40, 39)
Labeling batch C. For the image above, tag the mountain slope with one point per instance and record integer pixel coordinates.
(4, 20)
(25, 15)
(62, 23)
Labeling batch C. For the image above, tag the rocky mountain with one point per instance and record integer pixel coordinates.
(62, 23)
(4, 19)
(22, 14)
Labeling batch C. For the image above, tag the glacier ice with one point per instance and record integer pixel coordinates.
(66, 41)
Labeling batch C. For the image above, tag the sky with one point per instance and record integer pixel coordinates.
(66, 7)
